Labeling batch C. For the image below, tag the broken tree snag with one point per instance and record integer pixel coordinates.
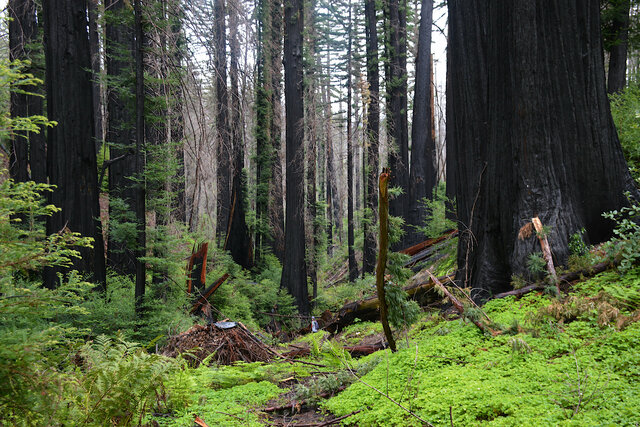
(383, 212)
(458, 305)
(546, 249)
(197, 268)
(207, 293)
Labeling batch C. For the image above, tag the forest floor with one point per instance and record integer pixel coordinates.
(567, 361)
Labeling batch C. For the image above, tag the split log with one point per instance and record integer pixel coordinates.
(197, 268)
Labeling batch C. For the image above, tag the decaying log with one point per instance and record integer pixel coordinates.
(197, 268)
(207, 293)
(354, 350)
(417, 248)
(367, 309)
(383, 215)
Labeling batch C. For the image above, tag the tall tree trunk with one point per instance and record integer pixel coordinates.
(397, 106)
(120, 51)
(539, 144)
(312, 151)
(140, 251)
(70, 103)
(372, 139)
(294, 270)
(353, 268)
(617, 78)
(333, 204)
(239, 242)
(276, 186)
(222, 122)
(94, 43)
(27, 158)
(423, 175)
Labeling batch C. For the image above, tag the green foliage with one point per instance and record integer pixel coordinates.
(627, 234)
(625, 109)
(536, 264)
(436, 222)
(25, 246)
(403, 312)
(577, 246)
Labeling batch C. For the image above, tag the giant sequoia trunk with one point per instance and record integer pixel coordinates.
(423, 150)
(71, 155)
(294, 271)
(529, 133)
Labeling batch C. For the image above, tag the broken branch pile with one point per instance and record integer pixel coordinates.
(229, 345)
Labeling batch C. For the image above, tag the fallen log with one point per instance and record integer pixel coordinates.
(563, 278)
(354, 350)
(367, 309)
(415, 249)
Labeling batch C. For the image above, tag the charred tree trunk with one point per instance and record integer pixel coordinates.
(397, 106)
(71, 155)
(372, 141)
(294, 270)
(423, 173)
(27, 158)
(94, 43)
(530, 133)
(353, 268)
(120, 51)
(239, 241)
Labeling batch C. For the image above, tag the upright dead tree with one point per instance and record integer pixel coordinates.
(294, 270)
(70, 103)
(222, 122)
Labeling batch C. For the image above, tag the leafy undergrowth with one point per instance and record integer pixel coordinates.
(573, 362)
(546, 369)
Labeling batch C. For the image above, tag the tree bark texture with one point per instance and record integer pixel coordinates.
(27, 157)
(121, 127)
(222, 121)
(383, 255)
(373, 137)
(423, 174)
(71, 155)
(529, 133)
(294, 271)
(398, 132)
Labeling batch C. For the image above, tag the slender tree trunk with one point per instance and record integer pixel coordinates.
(239, 242)
(141, 245)
(222, 122)
(372, 138)
(397, 106)
(353, 268)
(23, 30)
(542, 144)
(94, 43)
(294, 271)
(70, 103)
(617, 78)
(120, 51)
(423, 175)
(276, 188)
